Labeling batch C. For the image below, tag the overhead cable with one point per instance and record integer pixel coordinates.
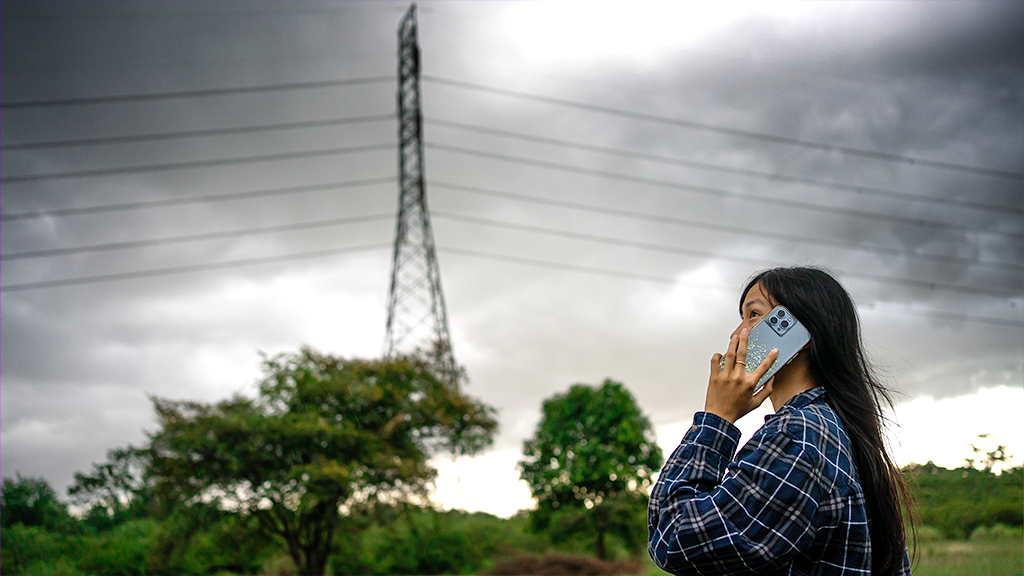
(719, 192)
(175, 270)
(191, 268)
(196, 164)
(865, 190)
(929, 285)
(202, 93)
(196, 237)
(675, 281)
(127, 139)
(743, 231)
(56, 212)
(878, 155)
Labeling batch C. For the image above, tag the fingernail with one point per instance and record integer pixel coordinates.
(743, 332)
(734, 337)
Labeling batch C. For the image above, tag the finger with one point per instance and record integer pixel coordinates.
(716, 363)
(741, 347)
(765, 392)
(730, 352)
(766, 364)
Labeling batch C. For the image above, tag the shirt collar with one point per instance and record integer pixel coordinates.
(804, 398)
(799, 401)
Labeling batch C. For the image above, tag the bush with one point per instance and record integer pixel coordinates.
(125, 549)
(34, 550)
(928, 534)
(997, 532)
(200, 539)
(424, 541)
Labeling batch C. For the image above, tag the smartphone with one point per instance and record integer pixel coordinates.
(779, 329)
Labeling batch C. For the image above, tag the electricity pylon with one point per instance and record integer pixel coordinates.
(417, 317)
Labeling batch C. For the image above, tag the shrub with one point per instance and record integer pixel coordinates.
(997, 532)
(28, 549)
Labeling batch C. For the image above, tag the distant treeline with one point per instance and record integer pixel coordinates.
(39, 536)
(326, 471)
(957, 502)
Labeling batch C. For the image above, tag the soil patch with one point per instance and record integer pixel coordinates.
(562, 565)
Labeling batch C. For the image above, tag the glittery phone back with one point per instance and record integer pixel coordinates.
(776, 330)
(779, 329)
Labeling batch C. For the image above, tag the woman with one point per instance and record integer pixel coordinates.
(814, 491)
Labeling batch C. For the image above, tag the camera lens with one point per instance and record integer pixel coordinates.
(785, 323)
(774, 320)
(782, 313)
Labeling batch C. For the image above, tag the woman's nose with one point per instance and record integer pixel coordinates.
(736, 332)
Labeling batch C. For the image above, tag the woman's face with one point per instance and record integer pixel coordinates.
(756, 304)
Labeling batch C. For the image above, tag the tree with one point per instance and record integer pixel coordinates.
(324, 436)
(32, 502)
(590, 463)
(997, 456)
(116, 490)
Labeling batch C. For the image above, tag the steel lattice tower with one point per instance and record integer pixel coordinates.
(416, 311)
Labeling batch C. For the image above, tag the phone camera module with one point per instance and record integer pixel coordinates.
(781, 313)
(785, 324)
(774, 320)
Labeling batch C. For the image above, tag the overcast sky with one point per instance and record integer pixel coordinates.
(602, 181)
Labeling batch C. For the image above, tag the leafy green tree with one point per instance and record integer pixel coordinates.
(996, 456)
(116, 490)
(32, 502)
(324, 437)
(36, 530)
(590, 463)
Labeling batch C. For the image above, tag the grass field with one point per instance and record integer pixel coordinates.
(999, 554)
(995, 552)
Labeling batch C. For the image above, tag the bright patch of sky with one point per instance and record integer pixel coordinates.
(490, 483)
(574, 32)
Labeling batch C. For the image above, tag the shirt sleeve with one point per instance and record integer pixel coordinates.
(708, 516)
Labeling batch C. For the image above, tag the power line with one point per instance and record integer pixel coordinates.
(509, 134)
(196, 164)
(458, 217)
(674, 281)
(192, 268)
(730, 131)
(193, 199)
(705, 254)
(498, 257)
(193, 93)
(726, 169)
(1013, 266)
(195, 237)
(718, 192)
(195, 133)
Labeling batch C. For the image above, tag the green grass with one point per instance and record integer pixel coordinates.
(992, 552)
(988, 554)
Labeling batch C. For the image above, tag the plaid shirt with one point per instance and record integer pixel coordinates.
(789, 503)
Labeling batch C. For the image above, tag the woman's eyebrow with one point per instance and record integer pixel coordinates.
(752, 302)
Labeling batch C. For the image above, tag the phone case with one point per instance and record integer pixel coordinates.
(779, 329)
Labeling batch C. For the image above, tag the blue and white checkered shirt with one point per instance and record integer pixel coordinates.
(789, 503)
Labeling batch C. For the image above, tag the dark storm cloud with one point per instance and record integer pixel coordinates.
(931, 80)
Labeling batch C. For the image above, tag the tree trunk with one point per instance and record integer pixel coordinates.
(315, 561)
(602, 553)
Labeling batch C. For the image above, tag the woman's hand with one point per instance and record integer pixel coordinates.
(731, 388)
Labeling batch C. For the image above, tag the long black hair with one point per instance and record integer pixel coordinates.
(838, 363)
